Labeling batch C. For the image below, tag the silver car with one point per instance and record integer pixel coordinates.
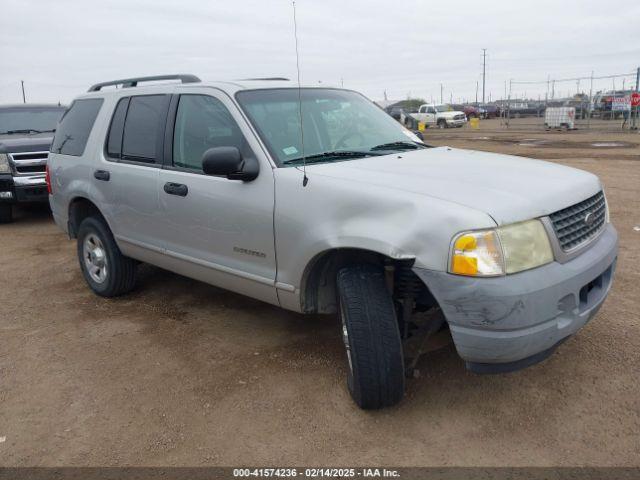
(315, 200)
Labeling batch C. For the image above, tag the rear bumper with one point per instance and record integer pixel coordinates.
(23, 189)
(506, 323)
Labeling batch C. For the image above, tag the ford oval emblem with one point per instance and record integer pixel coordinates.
(589, 218)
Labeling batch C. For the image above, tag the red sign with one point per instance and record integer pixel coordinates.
(635, 99)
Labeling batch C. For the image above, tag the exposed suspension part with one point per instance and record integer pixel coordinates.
(418, 314)
(407, 287)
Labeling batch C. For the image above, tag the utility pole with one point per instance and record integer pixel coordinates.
(484, 71)
(441, 94)
(476, 92)
(24, 100)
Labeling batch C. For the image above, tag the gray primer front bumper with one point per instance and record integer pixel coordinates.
(516, 317)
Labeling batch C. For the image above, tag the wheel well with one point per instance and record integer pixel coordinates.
(319, 280)
(79, 209)
(318, 284)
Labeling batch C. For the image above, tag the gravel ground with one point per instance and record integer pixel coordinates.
(182, 373)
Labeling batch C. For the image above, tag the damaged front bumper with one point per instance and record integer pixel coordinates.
(506, 323)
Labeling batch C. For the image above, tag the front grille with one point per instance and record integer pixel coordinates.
(579, 223)
(459, 117)
(29, 163)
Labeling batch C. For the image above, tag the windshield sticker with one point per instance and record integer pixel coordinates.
(290, 150)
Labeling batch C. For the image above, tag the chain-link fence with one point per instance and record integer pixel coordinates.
(597, 102)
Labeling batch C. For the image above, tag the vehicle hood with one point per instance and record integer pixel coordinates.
(38, 142)
(508, 188)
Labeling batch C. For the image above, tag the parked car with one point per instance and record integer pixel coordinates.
(359, 218)
(490, 111)
(395, 112)
(469, 110)
(525, 109)
(26, 132)
(441, 116)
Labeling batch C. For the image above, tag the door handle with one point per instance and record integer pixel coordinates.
(102, 175)
(176, 189)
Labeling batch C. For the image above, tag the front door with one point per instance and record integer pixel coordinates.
(217, 230)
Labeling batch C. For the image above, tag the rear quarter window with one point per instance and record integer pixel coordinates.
(75, 127)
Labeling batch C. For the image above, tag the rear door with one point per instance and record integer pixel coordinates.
(134, 150)
(216, 229)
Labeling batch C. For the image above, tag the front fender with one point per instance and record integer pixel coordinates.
(333, 213)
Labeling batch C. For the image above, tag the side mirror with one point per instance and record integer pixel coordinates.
(228, 162)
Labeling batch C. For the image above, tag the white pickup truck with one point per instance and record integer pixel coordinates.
(442, 116)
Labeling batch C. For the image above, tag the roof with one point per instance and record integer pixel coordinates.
(231, 87)
(32, 105)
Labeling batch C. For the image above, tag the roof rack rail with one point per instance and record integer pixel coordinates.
(133, 82)
(264, 79)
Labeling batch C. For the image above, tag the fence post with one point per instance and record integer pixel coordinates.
(634, 125)
(590, 110)
(509, 102)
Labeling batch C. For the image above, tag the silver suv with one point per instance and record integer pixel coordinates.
(315, 200)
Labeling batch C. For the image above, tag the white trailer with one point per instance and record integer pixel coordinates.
(560, 117)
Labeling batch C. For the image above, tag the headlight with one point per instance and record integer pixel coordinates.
(499, 251)
(4, 163)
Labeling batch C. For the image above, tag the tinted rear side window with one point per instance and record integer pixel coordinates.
(144, 128)
(75, 126)
(114, 142)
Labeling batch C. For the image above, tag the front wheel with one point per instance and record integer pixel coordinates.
(107, 271)
(371, 337)
(442, 124)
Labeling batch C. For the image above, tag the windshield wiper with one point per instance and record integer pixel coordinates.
(400, 145)
(27, 130)
(323, 157)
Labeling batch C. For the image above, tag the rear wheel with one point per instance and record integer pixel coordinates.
(105, 269)
(371, 337)
(5, 213)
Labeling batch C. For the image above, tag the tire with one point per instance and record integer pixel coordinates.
(371, 337)
(442, 124)
(105, 269)
(6, 214)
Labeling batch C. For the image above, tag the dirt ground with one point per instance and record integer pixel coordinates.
(182, 373)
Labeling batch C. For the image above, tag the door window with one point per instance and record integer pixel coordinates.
(142, 138)
(203, 122)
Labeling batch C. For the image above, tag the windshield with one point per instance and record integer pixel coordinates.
(29, 119)
(335, 123)
(443, 108)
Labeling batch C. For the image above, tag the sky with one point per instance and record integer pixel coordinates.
(405, 48)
